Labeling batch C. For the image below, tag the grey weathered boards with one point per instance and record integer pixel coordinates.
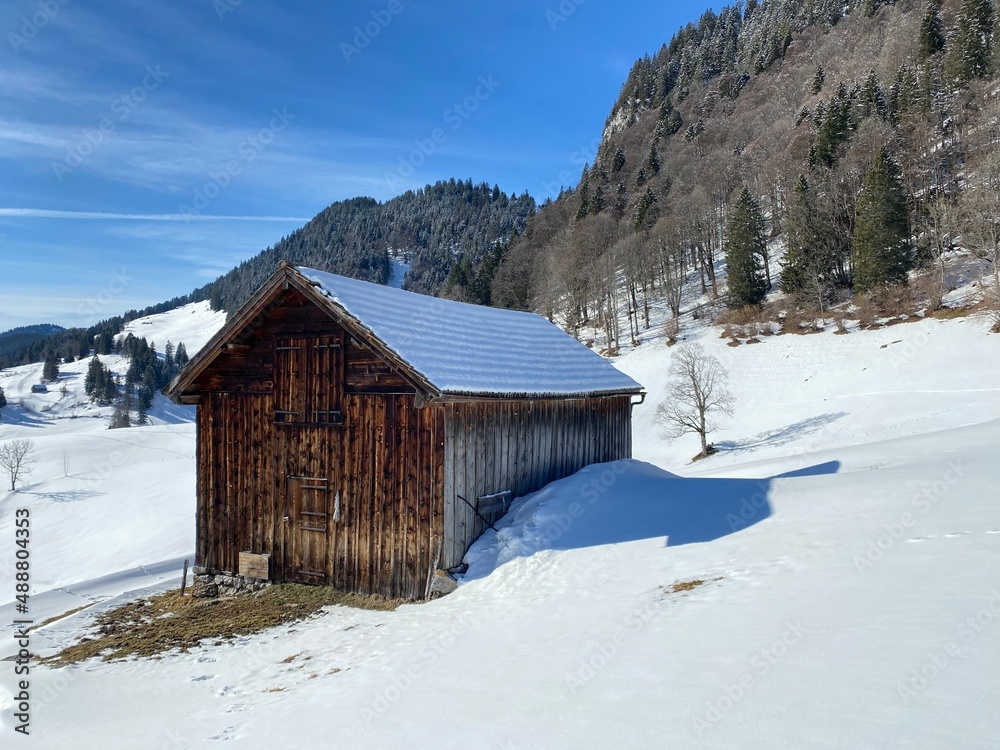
(323, 448)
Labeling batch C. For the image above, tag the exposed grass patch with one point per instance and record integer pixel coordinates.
(688, 585)
(148, 627)
(950, 313)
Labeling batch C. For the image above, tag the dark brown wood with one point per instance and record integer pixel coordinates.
(301, 417)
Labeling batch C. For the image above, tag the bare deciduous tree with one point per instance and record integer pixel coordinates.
(17, 457)
(696, 391)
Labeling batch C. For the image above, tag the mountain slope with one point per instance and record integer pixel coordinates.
(429, 228)
(778, 93)
(840, 536)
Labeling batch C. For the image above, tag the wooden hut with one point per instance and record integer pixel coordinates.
(362, 436)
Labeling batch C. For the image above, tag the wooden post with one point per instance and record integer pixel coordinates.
(184, 578)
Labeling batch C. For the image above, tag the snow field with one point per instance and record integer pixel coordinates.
(845, 536)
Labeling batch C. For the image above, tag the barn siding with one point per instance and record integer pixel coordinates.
(398, 469)
(521, 446)
(385, 463)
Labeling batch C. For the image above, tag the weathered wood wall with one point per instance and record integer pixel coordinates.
(521, 446)
(366, 500)
(381, 467)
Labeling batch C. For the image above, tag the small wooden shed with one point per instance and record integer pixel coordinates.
(361, 436)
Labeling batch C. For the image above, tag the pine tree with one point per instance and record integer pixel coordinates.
(931, 32)
(618, 162)
(584, 194)
(110, 393)
(881, 250)
(872, 97)
(654, 160)
(799, 238)
(972, 49)
(3, 399)
(50, 370)
(673, 123)
(808, 265)
(818, 79)
(181, 355)
(645, 210)
(744, 244)
(834, 129)
(597, 200)
(93, 373)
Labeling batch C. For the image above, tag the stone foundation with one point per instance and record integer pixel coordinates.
(210, 583)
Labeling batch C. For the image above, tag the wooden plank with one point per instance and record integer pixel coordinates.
(255, 565)
(461, 483)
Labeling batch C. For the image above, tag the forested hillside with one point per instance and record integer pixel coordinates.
(820, 146)
(430, 229)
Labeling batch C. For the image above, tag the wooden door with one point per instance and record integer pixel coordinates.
(307, 530)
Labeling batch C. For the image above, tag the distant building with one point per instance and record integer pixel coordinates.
(361, 436)
(39, 388)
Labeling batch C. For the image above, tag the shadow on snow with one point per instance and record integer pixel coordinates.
(780, 436)
(626, 501)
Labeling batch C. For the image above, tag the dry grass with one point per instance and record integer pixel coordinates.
(676, 588)
(149, 627)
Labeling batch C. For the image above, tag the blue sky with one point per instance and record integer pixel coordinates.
(146, 147)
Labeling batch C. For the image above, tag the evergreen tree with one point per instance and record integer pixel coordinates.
(834, 130)
(818, 79)
(645, 210)
(50, 370)
(872, 98)
(110, 394)
(808, 266)
(881, 250)
(597, 200)
(800, 238)
(931, 32)
(673, 123)
(584, 191)
(654, 160)
(181, 355)
(92, 381)
(3, 399)
(972, 49)
(618, 162)
(744, 244)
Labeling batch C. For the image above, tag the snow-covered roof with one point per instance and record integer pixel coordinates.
(463, 349)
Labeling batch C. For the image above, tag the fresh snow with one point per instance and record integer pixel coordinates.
(469, 349)
(194, 324)
(847, 534)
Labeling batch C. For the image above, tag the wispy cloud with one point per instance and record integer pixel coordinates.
(43, 213)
